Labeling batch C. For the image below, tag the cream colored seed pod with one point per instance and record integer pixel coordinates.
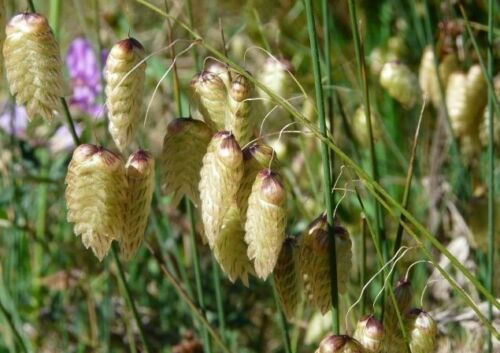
(484, 127)
(140, 170)
(220, 178)
(339, 344)
(266, 221)
(423, 331)
(370, 333)
(393, 339)
(238, 109)
(184, 146)
(96, 197)
(401, 83)
(359, 127)
(33, 65)
(210, 95)
(286, 277)
(124, 90)
(230, 249)
(314, 258)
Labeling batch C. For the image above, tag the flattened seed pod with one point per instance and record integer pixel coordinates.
(230, 249)
(370, 333)
(96, 196)
(184, 146)
(266, 221)
(484, 127)
(477, 92)
(286, 277)
(456, 102)
(210, 95)
(393, 339)
(359, 126)
(339, 344)
(124, 89)
(140, 170)
(314, 262)
(401, 83)
(423, 331)
(33, 65)
(238, 109)
(220, 178)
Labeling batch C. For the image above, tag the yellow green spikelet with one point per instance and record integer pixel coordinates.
(315, 262)
(370, 334)
(484, 127)
(140, 171)
(237, 118)
(33, 65)
(184, 146)
(401, 83)
(125, 76)
(210, 96)
(394, 340)
(220, 178)
(286, 277)
(266, 221)
(422, 331)
(230, 249)
(96, 196)
(359, 126)
(339, 344)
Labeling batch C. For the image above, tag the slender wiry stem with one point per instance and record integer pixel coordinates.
(282, 319)
(362, 276)
(31, 5)
(71, 123)
(12, 325)
(325, 157)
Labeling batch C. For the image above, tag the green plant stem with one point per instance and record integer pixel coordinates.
(129, 298)
(282, 319)
(362, 276)
(54, 16)
(31, 5)
(12, 325)
(196, 56)
(327, 182)
(71, 123)
(41, 221)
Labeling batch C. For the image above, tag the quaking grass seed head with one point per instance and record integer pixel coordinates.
(228, 149)
(210, 94)
(401, 83)
(370, 333)
(286, 277)
(423, 331)
(339, 344)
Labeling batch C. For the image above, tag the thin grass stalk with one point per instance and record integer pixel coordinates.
(13, 327)
(31, 5)
(491, 171)
(390, 204)
(327, 182)
(282, 319)
(362, 275)
(196, 56)
(54, 16)
(41, 223)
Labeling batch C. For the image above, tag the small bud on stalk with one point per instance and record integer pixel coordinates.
(423, 331)
(238, 109)
(401, 83)
(211, 98)
(370, 333)
(339, 344)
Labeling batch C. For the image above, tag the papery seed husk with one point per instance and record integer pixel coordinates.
(220, 178)
(210, 95)
(125, 75)
(237, 118)
(339, 344)
(96, 196)
(314, 259)
(370, 334)
(286, 277)
(184, 146)
(266, 221)
(33, 65)
(359, 126)
(230, 249)
(422, 331)
(484, 127)
(401, 83)
(140, 177)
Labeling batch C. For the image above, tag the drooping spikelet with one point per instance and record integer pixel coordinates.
(266, 221)
(124, 90)
(96, 196)
(238, 109)
(230, 249)
(422, 331)
(33, 65)
(401, 83)
(286, 277)
(359, 125)
(210, 95)
(484, 127)
(140, 170)
(339, 344)
(394, 339)
(314, 258)
(184, 146)
(370, 333)
(220, 178)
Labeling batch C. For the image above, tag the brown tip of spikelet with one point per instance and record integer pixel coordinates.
(339, 344)
(27, 22)
(229, 150)
(272, 187)
(240, 88)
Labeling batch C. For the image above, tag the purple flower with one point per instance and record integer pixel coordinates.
(62, 140)
(86, 76)
(14, 121)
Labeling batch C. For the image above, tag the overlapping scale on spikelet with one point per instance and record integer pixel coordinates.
(422, 331)
(220, 178)
(401, 83)
(370, 334)
(237, 118)
(33, 65)
(393, 339)
(359, 125)
(140, 177)
(315, 262)
(484, 127)
(96, 196)
(266, 221)
(230, 249)
(339, 344)
(184, 146)
(124, 90)
(210, 95)
(286, 277)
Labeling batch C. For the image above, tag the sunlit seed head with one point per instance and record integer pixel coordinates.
(127, 48)
(229, 150)
(27, 22)
(272, 187)
(240, 88)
